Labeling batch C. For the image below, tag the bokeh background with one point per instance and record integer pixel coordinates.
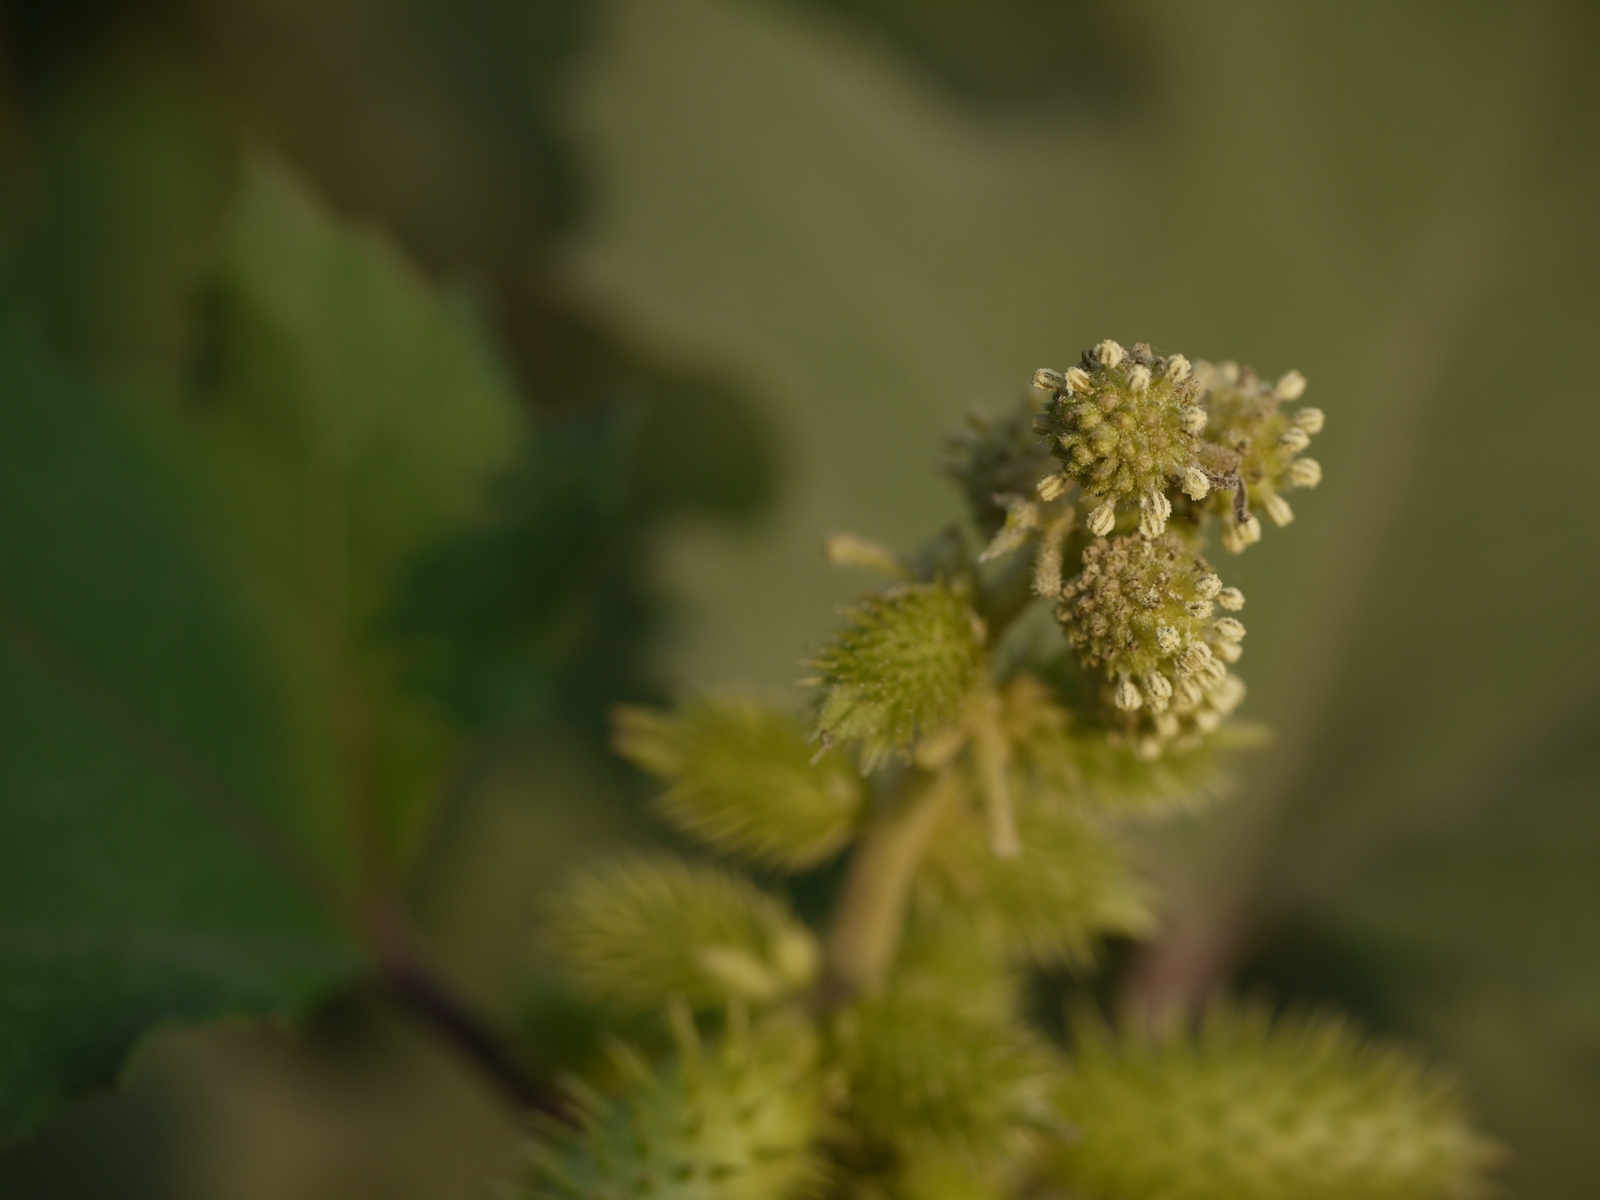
(746, 262)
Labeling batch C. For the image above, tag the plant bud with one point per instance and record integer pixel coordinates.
(1229, 628)
(1047, 380)
(1208, 586)
(1294, 439)
(1229, 652)
(1109, 353)
(1228, 695)
(1292, 386)
(1195, 484)
(1193, 418)
(1138, 379)
(1103, 519)
(1158, 685)
(1177, 368)
(1154, 509)
(1052, 487)
(1195, 658)
(1278, 510)
(1198, 609)
(1309, 419)
(1077, 380)
(1127, 696)
(1167, 639)
(1231, 598)
(1304, 473)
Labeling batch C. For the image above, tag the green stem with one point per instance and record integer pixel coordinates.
(871, 910)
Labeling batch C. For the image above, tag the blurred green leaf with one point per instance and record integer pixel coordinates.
(208, 758)
(141, 882)
(351, 425)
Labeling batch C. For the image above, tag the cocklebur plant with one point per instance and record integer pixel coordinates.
(982, 729)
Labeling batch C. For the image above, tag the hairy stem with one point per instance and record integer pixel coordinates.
(871, 909)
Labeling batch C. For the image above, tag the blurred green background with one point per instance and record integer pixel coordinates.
(738, 265)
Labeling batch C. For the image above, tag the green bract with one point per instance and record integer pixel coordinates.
(1255, 1109)
(900, 670)
(1067, 888)
(638, 933)
(729, 1122)
(742, 779)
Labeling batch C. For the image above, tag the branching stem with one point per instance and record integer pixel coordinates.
(871, 909)
(408, 977)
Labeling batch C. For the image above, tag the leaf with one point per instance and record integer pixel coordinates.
(353, 424)
(209, 757)
(144, 879)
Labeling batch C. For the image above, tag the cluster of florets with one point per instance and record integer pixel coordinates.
(1125, 425)
(1254, 447)
(1143, 616)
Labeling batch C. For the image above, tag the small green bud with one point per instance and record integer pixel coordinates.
(1252, 1108)
(640, 931)
(735, 1122)
(900, 670)
(742, 779)
(925, 1073)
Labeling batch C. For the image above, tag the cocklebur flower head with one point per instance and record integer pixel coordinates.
(1123, 425)
(1141, 617)
(1254, 445)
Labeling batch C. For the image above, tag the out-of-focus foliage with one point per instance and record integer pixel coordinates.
(731, 1121)
(1253, 1108)
(278, 528)
(637, 934)
(193, 584)
(743, 779)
